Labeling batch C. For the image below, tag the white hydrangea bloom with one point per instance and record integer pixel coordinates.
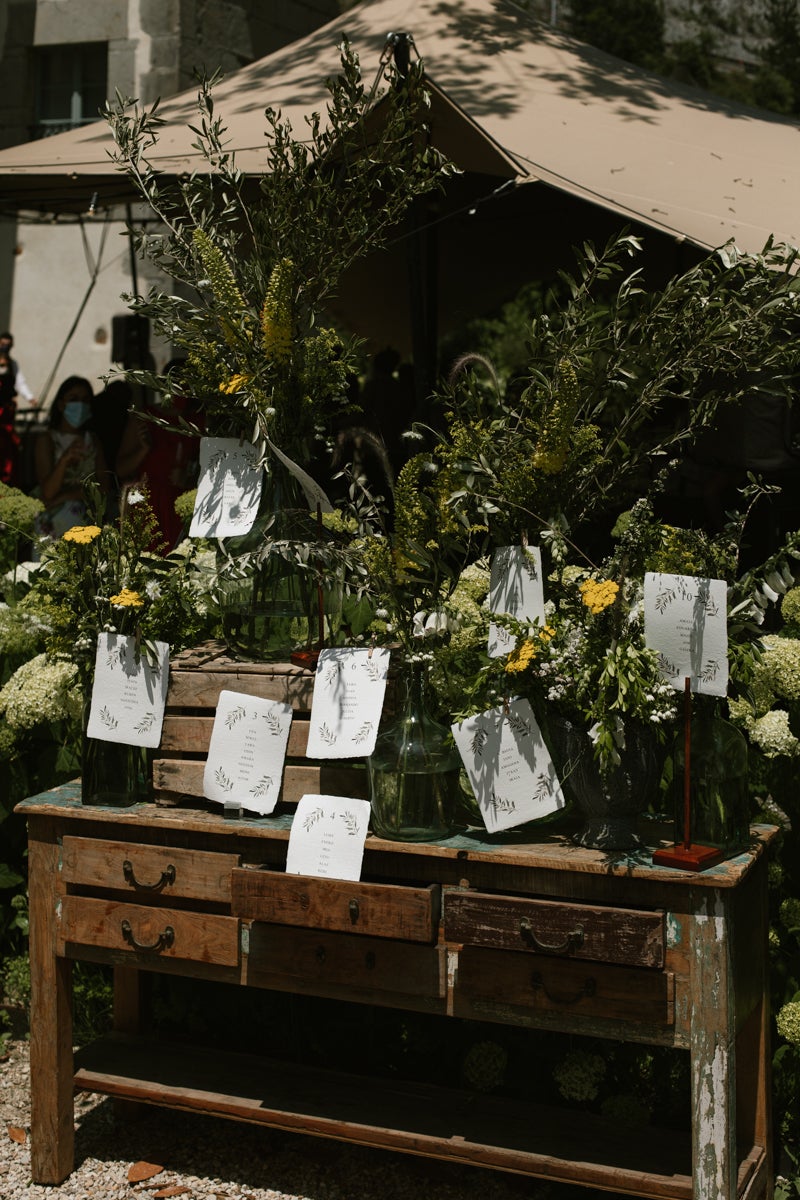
(771, 733)
(40, 692)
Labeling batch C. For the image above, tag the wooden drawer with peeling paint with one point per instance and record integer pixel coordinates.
(625, 936)
(497, 984)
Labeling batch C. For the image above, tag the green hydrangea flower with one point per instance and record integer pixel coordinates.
(788, 1022)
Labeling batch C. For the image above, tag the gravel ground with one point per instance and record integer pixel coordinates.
(204, 1158)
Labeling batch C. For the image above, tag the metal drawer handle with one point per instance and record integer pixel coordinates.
(572, 941)
(162, 942)
(353, 910)
(167, 876)
(538, 984)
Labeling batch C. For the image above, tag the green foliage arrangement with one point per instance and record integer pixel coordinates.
(261, 266)
(619, 380)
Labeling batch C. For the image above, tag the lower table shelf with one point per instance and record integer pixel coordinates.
(464, 1127)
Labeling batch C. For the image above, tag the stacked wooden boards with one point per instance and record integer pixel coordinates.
(197, 677)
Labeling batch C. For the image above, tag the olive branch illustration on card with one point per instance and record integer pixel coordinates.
(363, 732)
(108, 719)
(327, 735)
(146, 723)
(331, 673)
(274, 726)
(235, 715)
(313, 818)
(350, 822)
(261, 788)
(502, 804)
(542, 789)
(374, 670)
(223, 780)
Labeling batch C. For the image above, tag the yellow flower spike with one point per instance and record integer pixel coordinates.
(82, 534)
(276, 312)
(127, 599)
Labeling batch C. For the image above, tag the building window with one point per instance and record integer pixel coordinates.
(71, 84)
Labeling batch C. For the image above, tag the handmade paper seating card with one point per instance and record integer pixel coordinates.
(686, 623)
(515, 587)
(247, 752)
(349, 688)
(327, 837)
(509, 766)
(228, 489)
(129, 692)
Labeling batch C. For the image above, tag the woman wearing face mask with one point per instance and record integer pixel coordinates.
(66, 452)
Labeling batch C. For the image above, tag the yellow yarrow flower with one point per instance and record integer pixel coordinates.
(127, 599)
(522, 656)
(598, 594)
(82, 534)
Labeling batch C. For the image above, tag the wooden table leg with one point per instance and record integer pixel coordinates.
(713, 1052)
(52, 1113)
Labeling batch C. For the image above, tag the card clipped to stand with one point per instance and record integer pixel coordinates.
(349, 687)
(509, 766)
(686, 624)
(327, 837)
(515, 587)
(228, 488)
(246, 755)
(129, 693)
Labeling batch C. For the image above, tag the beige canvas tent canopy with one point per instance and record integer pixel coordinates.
(558, 141)
(517, 97)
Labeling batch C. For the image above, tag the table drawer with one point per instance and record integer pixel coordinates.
(408, 914)
(577, 931)
(370, 970)
(148, 870)
(149, 932)
(491, 981)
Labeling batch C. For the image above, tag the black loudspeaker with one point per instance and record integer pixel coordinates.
(130, 340)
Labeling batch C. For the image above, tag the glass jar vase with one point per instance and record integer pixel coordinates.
(414, 769)
(112, 773)
(609, 801)
(269, 603)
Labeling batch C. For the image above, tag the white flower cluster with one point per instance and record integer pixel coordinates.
(21, 632)
(433, 625)
(772, 735)
(40, 691)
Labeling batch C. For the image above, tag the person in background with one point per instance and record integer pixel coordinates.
(9, 439)
(24, 392)
(164, 461)
(67, 452)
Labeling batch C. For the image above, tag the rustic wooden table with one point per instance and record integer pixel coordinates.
(538, 935)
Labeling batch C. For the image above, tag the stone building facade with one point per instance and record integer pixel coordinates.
(59, 61)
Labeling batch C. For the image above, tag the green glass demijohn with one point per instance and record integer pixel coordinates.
(414, 769)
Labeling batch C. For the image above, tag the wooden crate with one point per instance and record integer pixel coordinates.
(197, 677)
